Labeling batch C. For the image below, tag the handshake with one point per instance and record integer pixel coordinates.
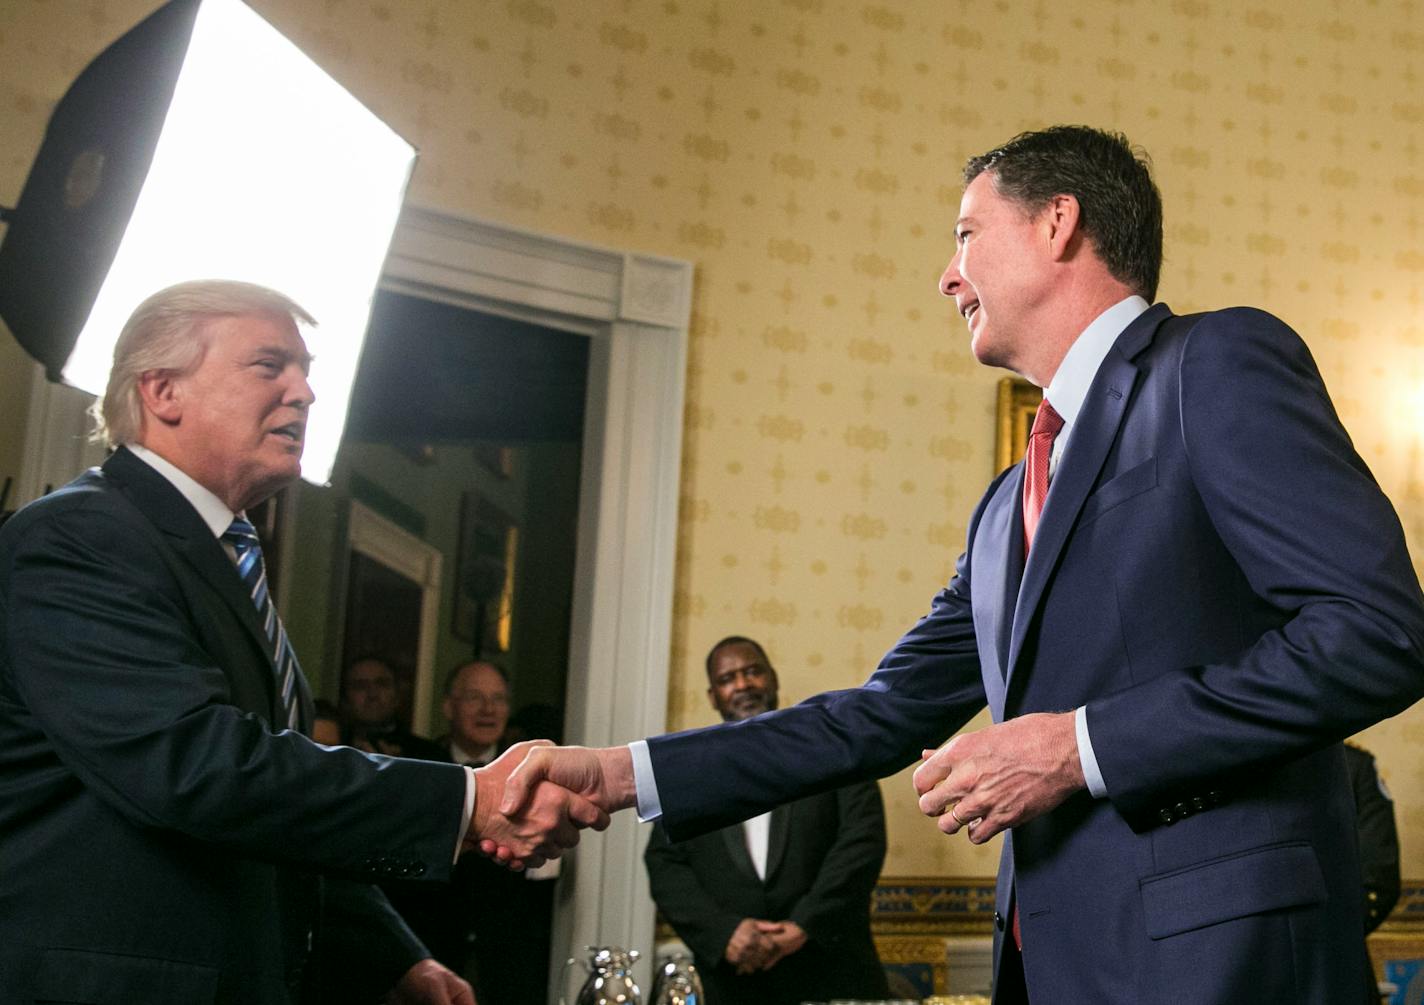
(532, 801)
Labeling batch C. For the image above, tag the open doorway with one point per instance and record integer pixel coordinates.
(460, 476)
(633, 310)
(465, 432)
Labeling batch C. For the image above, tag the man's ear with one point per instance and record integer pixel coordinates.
(1061, 218)
(162, 395)
(712, 699)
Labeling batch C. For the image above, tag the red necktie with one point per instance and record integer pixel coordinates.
(1046, 425)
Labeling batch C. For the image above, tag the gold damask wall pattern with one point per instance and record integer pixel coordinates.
(804, 154)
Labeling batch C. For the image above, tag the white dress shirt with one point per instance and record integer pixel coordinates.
(758, 834)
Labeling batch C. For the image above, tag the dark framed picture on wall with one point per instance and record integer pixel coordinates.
(484, 576)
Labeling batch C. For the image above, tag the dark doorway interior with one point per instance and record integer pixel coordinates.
(435, 373)
(485, 417)
(383, 621)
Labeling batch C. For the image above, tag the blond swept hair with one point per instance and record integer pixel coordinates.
(163, 333)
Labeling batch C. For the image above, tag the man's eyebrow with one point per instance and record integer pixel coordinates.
(303, 358)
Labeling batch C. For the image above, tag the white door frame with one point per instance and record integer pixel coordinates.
(635, 308)
(370, 534)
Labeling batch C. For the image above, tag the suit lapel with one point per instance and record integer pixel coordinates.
(1011, 566)
(778, 838)
(1093, 435)
(735, 838)
(997, 568)
(164, 506)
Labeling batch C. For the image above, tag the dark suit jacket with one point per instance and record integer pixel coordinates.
(1379, 839)
(158, 840)
(1219, 580)
(824, 855)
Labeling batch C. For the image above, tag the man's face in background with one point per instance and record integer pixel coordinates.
(369, 694)
(477, 707)
(741, 683)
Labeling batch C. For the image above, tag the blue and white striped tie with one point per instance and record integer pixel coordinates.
(243, 538)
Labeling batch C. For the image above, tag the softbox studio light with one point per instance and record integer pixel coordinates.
(204, 144)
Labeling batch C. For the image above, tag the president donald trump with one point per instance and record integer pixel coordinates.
(1175, 608)
(168, 834)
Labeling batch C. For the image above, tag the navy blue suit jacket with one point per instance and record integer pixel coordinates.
(1220, 581)
(160, 840)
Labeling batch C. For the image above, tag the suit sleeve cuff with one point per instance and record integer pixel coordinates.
(469, 811)
(1086, 757)
(650, 807)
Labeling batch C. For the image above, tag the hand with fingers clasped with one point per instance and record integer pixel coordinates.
(757, 944)
(996, 778)
(749, 949)
(786, 938)
(544, 824)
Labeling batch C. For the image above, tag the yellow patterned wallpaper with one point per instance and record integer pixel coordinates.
(805, 155)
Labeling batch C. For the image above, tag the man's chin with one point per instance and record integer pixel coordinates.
(273, 480)
(985, 351)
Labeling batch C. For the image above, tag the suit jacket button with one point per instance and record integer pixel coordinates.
(998, 921)
(1214, 796)
(1183, 810)
(1198, 803)
(1165, 815)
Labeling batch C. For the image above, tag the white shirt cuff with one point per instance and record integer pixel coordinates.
(469, 809)
(1086, 757)
(650, 807)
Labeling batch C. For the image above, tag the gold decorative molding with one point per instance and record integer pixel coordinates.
(927, 905)
(1018, 401)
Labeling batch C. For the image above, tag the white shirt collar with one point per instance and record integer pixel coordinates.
(213, 510)
(1070, 384)
(460, 755)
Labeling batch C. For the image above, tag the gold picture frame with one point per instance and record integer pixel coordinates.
(484, 576)
(1018, 401)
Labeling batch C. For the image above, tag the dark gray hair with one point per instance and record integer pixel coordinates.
(1119, 205)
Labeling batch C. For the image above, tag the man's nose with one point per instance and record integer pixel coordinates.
(950, 281)
(300, 393)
